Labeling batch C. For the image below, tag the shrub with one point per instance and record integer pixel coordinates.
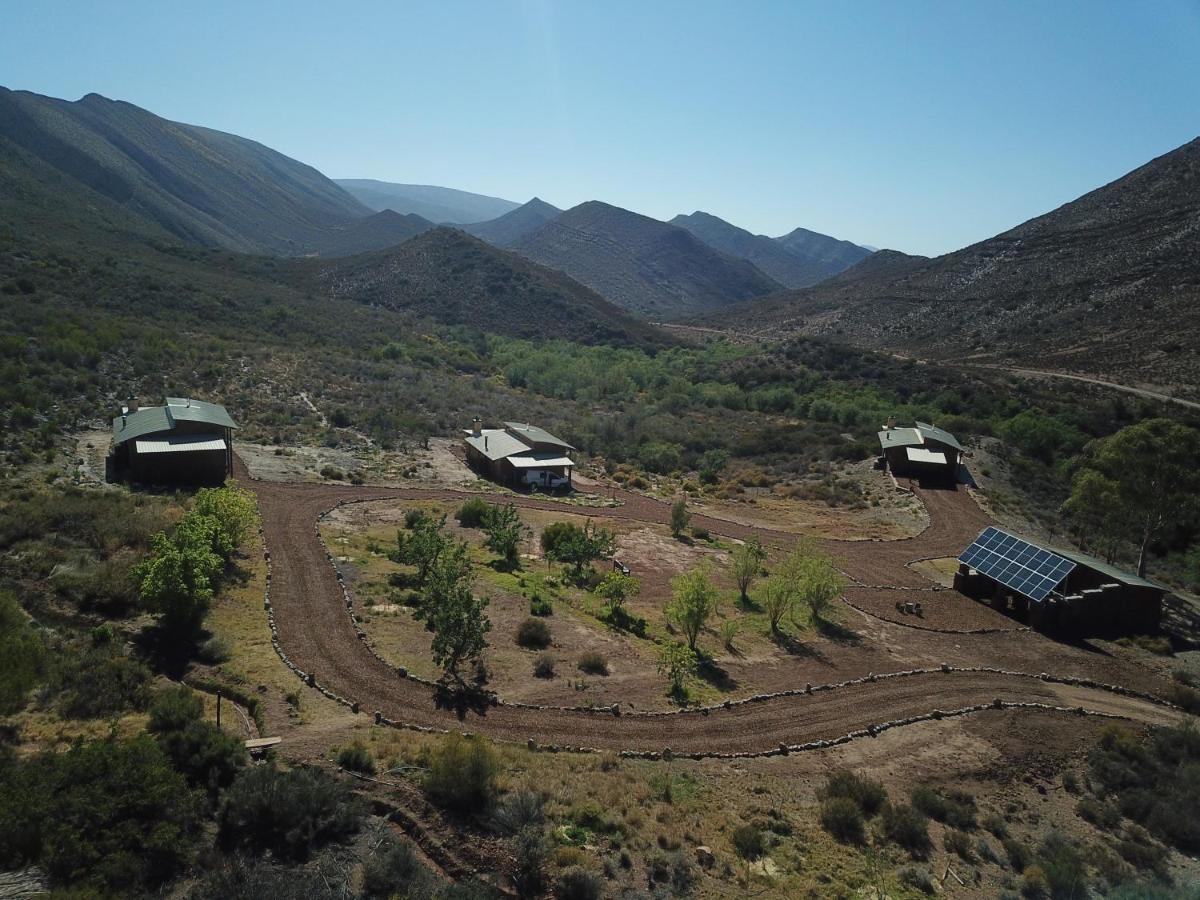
(522, 809)
(1100, 814)
(207, 756)
(1017, 853)
(680, 516)
(958, 842)
(333, 473)
(919, 879)
(593, 663)
(749, 842)
(1063, 866)
(102, 682)
(461, 772)
(543, 665)
(413, 517)
(843, 819)
(533, 634)
(396, 870)
(905, 826)
(540, 606)
(577, 883)
(287, 813)
(996, 825)
(474, 513)
(1034, 884)
(23, 659)
(213, 651)
(955, 808)
(868, 795)
(675, 869)
(356, 758)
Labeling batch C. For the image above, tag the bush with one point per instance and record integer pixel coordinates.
(593, 663)
(22, 655)
(101, 682)
(333, 473)
(287, 813)
(461, 772)
(577, 883)
(868, 795)
(843, 819)
(474, 513)
(1018, 855)
(543, 665)
(533, 634)
(213, 651)
(749, 842)
(395, 869)
(1034, 884)
(413, 518)
(955, 808)
(996, 825)
(540, 606)
(919, 879)
(519, 810)
(1063, 866)
(905, 826)
(958, 842)
(356, 758)
(207, 756)
(1102, 815)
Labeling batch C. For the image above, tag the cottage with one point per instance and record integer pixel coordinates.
(923, 451)
(184, 441)
(1056, 589)
(520, 456)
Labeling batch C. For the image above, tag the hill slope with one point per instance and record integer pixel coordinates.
(196, 184)
(383, 229)
(1108, 283)
(642, 264)
(822, 250)
(454, 278)
(793, 268)
(512, 226)
(437, 204)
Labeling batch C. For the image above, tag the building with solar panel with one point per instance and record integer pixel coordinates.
(1055, 589)
(184, 441)
(923, 451)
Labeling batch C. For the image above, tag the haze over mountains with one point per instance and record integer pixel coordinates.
(437, 204)
(512, 226)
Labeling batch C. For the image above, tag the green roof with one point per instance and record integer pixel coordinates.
(1107, 569)
(153, 419)
(536, 435)
(932, 433)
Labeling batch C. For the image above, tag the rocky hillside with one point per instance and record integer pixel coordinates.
(384, 229)
(829, 253)
(437, 204)
(644, 265)
(792, 265)
(454, 278)
(512, 226)
(1107, 284)
(195, 184)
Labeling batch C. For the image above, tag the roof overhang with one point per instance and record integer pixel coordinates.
(928, 457)
(181, 443)
(533, 462)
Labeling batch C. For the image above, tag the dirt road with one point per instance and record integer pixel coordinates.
(316, 633)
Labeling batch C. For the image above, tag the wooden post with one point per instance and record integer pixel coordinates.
(218, 709)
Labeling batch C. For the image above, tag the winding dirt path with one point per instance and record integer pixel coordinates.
(316, 633)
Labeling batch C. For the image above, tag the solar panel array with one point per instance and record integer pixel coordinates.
(1016, 563)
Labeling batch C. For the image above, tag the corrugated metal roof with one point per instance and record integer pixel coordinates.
(496, 443)
(181, 443)
(152, 419)
(542, 460)
(933, 433)
(900, 437)
(1108, 569)
(536, 435)
(921, 455)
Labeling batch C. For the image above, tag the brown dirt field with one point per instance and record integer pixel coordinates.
(316, 632)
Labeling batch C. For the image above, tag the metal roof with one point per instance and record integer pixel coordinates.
(921, 455)
(181, 443)
(496, 443)
(933, 433)
(541, 460)
(900, 437)
(1108, 569)
(152, 419)
(536, 435)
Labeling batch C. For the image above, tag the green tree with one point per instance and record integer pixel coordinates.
(680, 516)
(1157, 483)
(778, 599)
(712, 464)
(748, 559)
(179, 577)
(22, 655)
(578, 547)
(693, 603)
(505, 532)
(235, 511)
(423, 546)
(1041, 436)
(820, 584)
(1095, 513)
(207, 756)
(614, 589)
(458, 618)
(679, 663)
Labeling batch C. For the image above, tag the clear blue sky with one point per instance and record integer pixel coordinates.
(919, 126)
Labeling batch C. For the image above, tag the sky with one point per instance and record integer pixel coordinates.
(919, 126)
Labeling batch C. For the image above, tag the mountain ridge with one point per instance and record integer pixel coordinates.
(440, 205)
(509, 228)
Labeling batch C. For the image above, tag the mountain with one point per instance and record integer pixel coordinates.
(437, 204)
(644, 265)
(383, 229)
(791, 268)
(193, 184)
(822, 250)
(455, 278)
(1108, 283)
(512, 226)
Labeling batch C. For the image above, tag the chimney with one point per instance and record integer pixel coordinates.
(476, 427)
(891, 423)
(133, 403)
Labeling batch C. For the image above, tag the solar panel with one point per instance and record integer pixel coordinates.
(1026, 568)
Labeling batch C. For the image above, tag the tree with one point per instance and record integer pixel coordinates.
(1095, 511)
(505, 531)
(235, 511)
(692, 604)
(614, 589)
(423, 546)
(802, 578)
(178, 579)
(820, 585)
(748, 560)
(678, 662)
(458, 618)
(712, 464)
(578, 547)
(778, 599)
(679, 516)
(1157, 483)
(207, 756)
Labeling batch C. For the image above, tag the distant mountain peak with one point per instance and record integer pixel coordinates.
(509, 228)
(437, 204)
